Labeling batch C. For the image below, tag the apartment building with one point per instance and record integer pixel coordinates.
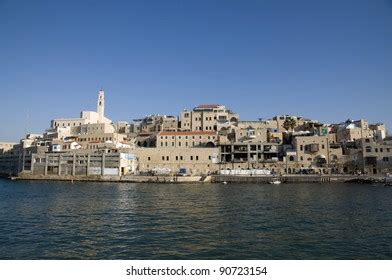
(187, 139)
(206, 117)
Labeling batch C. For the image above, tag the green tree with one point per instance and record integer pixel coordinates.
(289, 123)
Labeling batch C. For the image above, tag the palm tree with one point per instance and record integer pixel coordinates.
(289, 123)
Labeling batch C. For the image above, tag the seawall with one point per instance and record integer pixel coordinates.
(265, 179)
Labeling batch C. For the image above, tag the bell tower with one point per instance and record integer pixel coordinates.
(101, 105)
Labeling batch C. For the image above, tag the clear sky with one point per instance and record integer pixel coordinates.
(327, 60)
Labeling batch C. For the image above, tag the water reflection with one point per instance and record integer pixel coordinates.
(57, 220)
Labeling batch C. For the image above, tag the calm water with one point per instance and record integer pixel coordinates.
(57, 220)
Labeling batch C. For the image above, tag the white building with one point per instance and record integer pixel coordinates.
(86, 117)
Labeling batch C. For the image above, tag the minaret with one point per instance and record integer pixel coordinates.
(101, 105)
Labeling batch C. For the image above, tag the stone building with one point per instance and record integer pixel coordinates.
(312, 152)
(82, 163)
(376, 156)
(155, 124)
(86, 117)
(350, 131)
(187, 139)
(206, 117)
(6, 146)
(197, 161)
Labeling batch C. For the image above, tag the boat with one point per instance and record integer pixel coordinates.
(275, 181)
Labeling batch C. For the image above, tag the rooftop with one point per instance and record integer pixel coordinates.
(174, 133)
(207, 106)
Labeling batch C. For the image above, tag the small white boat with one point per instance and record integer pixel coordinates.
(224, 183)
(275, 181)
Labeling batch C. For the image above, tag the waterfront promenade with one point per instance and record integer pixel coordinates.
(264, 179)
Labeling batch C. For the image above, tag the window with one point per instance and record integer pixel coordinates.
(381, 150)
(179, 144)
(197, 157)
(149, 158)
(176, 157)
(186, 144)
(322, 146)
(385, 159)
(163, 157)
(388, 150)
(291, 158)
(376, 150)
(167, 158)
(301, 147)
(191, 157)
(172, 144)
(367, 140)
(309, 159)
(181, 157)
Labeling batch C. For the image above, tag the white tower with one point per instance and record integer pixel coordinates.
(101, 105)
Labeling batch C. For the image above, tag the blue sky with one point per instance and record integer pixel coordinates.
(327, 60)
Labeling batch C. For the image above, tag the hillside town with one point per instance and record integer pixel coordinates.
(208, 139)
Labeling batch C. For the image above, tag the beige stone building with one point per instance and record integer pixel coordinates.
(86, 117)
(353, 130)
(311, 151)
(6, 146)
(155, 124)
(207, 117)
(196, 161)
(299, 122)
(250, 131)
(376, 156)
(187, 139)
(98, 140)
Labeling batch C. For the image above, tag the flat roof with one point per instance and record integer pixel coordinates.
(207, 106)
(174, 133)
